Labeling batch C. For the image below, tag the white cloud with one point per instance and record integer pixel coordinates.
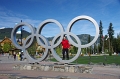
(2, 27)
(9, 18)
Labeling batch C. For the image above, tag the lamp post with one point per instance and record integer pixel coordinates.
(103, 44)
(21, 34)
(109, 44)
(105, 57)
(104, 63)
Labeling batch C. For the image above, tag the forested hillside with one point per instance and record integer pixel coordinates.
(7, 32)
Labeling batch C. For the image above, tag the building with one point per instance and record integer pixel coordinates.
(5, 40)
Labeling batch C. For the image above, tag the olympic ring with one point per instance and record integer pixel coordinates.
(53, 45)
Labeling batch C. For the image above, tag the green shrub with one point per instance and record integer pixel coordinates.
(110, 53)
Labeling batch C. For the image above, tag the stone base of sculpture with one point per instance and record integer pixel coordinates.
(58, 67)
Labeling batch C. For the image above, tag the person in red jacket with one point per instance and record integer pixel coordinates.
(65, 47)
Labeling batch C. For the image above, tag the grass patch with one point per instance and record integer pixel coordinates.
(97, 59)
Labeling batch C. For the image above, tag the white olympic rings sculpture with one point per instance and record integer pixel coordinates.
(53, 45)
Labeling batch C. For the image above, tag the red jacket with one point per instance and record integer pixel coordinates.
(65, 43)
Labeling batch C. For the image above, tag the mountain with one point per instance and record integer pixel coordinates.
(83, 38)
(6, 32)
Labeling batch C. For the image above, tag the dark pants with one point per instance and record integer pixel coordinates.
(65, 51)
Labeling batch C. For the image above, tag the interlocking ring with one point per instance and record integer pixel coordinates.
(53, 45)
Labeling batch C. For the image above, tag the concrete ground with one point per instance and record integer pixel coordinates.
(98, 72)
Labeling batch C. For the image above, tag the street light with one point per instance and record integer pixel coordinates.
(108, 41)
(103, 44)
(21, 34)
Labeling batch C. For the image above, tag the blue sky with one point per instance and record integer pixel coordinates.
(36, 11)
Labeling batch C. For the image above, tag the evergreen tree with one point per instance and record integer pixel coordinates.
(110, 33)
(95, 48)
(32, 48)
(101, 36)
(114, 43)
(75, 49)
(118, 43)
(118, 35)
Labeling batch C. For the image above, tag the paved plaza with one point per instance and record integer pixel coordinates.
(98, 72)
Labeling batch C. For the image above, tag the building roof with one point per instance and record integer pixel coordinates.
(6, 40)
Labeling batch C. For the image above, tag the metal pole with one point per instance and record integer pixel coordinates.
(109, 44)
(103, 46)
(104, 63)
(21, 34)
(97, 47)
